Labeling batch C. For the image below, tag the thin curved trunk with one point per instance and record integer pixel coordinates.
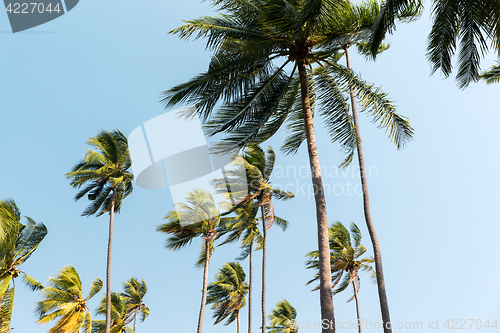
(250, 290)
(238, 321)
(357, 305)
(384, 307)
(204, 292)
(108, 264)
(325, 274)
(264, 235)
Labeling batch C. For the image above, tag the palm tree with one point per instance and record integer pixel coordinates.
(492, 75)
(120, 315)
(259, 167)
(19, 243)
(261, 75)
(63, 301)
(468, 24)
(245, 226)
(106, 181)
(206, 223)
(227, 293)
(346, 252)
(283, 318)
(134, 294)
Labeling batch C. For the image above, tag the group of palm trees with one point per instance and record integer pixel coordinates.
(274, 63)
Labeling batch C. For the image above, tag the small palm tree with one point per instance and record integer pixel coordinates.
(283, 318)
(346, 261)
(134, 295)
(120, 316)
(63, 301)
(245, 227)
(227, 293)
(202, 211)
(103, 174)
(19, 243)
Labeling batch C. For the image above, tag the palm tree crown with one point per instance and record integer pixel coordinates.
(19, 243)
(283, 318)
(227, 293)
(63, 301)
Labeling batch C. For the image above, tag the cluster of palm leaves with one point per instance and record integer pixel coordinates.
(240, 222)
(63, 301)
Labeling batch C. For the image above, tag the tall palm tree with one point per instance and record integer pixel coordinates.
(19, 243)
(227, 293)
(206, 223)
(120, 315)
(261, 75)
(245, 227)
(103, 174)
(63, 301)
(283, 318)
(463, 26)
(259, 166)
(346, 253)
(134, 295)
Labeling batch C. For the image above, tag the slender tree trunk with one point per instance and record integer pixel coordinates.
(204, 292)
(264, 234)
(135, 317)
(384, 307)
(357, 305)
(325, 273)
(238, 321)
(250, 290)
(108, 264)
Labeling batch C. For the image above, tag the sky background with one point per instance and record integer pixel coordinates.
(103, 66)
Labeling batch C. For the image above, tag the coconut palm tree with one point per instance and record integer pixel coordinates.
(462, 26)
(245, 227)
(103, 174)
(283, 318)
(259, 166)
(19, 243)
(227, 293)
(346, 261)
(120, 315)
(134, 295)
(267, 54)
(206, 223)
(63, 301)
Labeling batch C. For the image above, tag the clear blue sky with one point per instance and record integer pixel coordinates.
(103, 66)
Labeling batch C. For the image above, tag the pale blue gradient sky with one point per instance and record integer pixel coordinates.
(103, 66)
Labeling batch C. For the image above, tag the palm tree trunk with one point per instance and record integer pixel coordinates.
(384, 307)
(264, 235)
(357, 305)
(238, 321)
(135, 317)
(204, 292)
(108, 264)
(250, 290)
(325, 273)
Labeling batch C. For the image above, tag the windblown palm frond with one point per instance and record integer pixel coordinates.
(283, 318)
(64, 302)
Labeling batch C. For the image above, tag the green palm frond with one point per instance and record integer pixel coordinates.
(492, 75)
(227, 294)
(63, 302)
(346, 257)
(283, 318)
